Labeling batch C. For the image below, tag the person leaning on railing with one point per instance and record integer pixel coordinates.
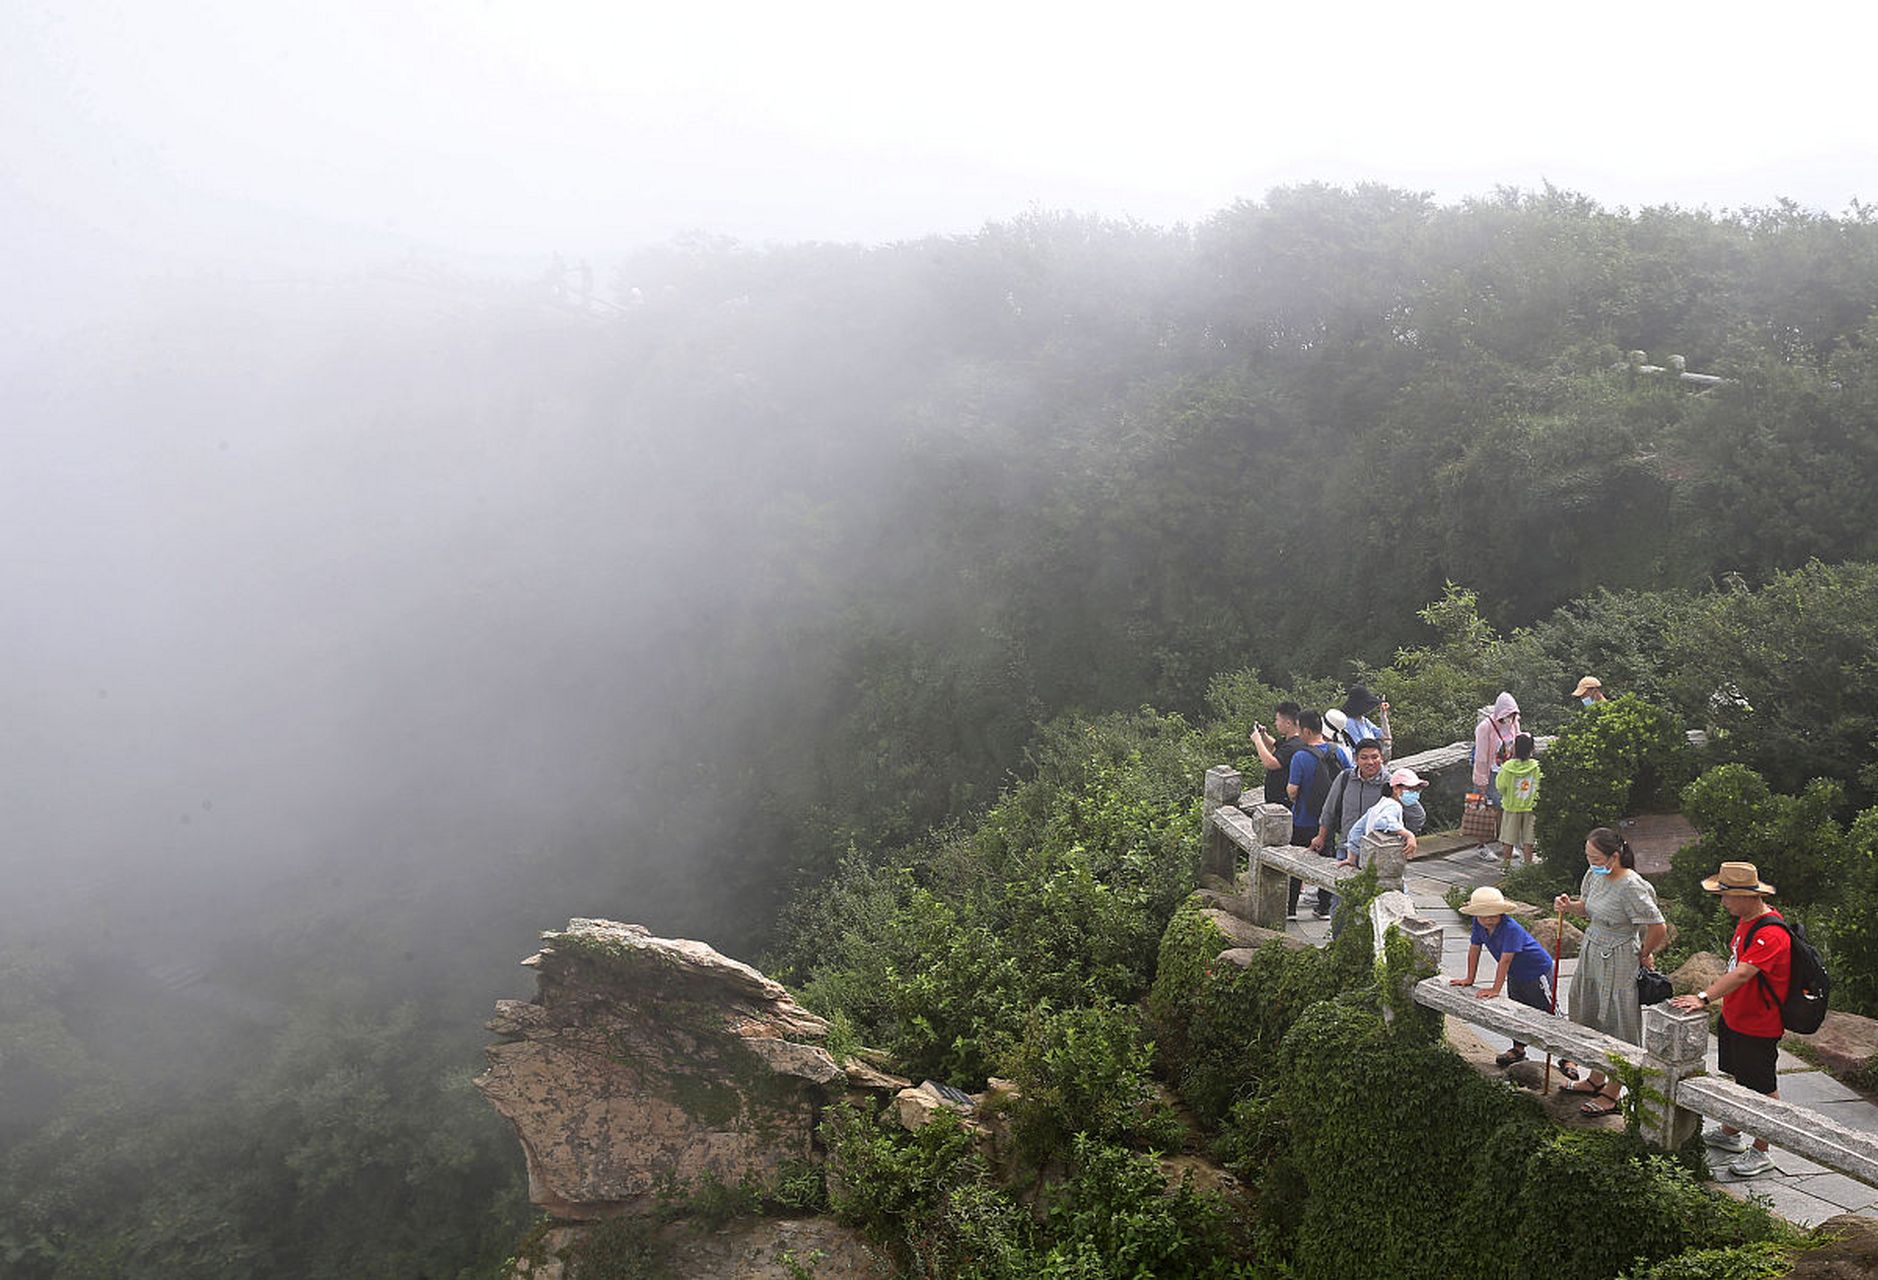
(1625, 932)
(1760, 969)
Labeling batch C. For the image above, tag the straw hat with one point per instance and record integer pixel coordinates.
(1486, 901)
(1586, 685)
(1737, 877)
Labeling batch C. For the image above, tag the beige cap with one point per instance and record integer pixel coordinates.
(1586, 685)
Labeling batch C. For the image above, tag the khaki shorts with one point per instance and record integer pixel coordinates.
(1516, 828)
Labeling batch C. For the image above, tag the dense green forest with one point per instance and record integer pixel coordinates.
(956, 561)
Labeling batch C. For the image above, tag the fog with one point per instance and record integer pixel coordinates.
(344, 570)
(467, 465)
(324, 595)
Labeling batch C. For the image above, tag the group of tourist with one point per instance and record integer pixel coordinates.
(1623, 933)
(1338, 787)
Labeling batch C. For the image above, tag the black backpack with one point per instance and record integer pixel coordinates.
(1809, 986)
(1329, 765)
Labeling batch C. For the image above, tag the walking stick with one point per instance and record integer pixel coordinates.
(1558, 949)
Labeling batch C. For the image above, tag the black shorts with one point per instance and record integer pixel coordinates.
(1749, 1059)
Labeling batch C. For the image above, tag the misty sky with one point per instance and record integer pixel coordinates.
(219, 553)
(305, 133)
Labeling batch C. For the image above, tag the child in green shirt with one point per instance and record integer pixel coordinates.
(1518, 785)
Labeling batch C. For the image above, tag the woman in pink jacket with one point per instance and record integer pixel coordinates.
(1493, 743)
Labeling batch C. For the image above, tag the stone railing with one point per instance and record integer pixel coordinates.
(1263, 833)
(1675, 1092)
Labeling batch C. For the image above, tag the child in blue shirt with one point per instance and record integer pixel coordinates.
(1524, 968)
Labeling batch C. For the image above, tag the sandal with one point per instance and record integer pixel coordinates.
(1593, 1109)
(1582, 1086)
(1508, 1058)
(1568, 1069)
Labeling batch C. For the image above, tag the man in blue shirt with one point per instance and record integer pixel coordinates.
(1313, 769)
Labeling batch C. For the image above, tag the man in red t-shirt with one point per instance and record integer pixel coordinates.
(1748, 1040)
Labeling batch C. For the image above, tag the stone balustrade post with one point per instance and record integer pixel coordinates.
(1218, 854)
(1674, 1043)
(1387, 852)
(1268, 892)
(1425, 938)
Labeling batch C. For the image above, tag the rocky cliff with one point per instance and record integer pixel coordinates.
(642, 1060)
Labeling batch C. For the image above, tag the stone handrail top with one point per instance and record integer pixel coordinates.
(1556, 1035)
(1302, 863)
(1790, 1126)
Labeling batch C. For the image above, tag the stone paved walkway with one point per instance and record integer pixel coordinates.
(1798, 1190)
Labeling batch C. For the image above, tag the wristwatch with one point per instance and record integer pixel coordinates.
(1703, 997)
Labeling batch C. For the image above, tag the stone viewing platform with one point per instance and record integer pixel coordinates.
(1823, 1133)
(1800, 1189)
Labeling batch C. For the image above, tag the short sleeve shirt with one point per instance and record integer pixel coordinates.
(1747, 1009)
(1275, 779)
(1530, 961)
(1304, 767)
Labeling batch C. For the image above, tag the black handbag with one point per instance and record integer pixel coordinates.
(1652, 987)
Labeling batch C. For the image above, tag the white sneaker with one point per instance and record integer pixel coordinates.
(1736, 1142)
(1751, 1164)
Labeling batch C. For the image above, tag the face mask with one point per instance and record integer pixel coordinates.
(1411, 797)
(1600, 871)
(1587, 701)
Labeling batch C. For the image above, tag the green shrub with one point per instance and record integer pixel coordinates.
(1612, 759)
(1783, 675)
(1403, 1161)
(1647, 1206)
(1238, 1019)
(1219, 1025)
(1794, 841)
(979, 1233)
(1759, 1261)
(889, 1182)
(1058, 895)
(619, 1249)
(798, 1187)
(1435, 690)
(1083, 1071)
(1116, 1207)
(1850, 925)
(1189, 945)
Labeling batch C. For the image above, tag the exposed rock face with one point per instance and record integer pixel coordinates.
(1850, 1254)
(1545, 929)
(642, 1059)
(747, 1249)
(1698, 972)
(1844, 1044)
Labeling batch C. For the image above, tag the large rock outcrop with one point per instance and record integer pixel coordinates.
(643, 1061)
